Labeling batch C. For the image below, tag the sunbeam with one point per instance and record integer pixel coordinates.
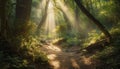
(69, 14)
(50, 21)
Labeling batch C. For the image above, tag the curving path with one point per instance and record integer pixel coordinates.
(62, 59)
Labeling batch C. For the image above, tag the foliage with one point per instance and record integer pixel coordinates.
(109, 57)
(21, 51)
(93, 37)
(24, 57)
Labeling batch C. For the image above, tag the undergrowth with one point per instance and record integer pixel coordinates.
(23, 55)
(109, 58)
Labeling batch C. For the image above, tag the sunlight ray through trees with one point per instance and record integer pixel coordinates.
(50, 25)
(69, 14)
(49, 21)
(59, 34)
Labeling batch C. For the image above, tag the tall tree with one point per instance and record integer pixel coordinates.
(91, 17)
(23, 10)
(43, 17)
(3, 18)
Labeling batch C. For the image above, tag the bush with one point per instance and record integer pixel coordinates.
(21, 53)
(110, 58)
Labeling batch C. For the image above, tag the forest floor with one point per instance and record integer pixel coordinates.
(67, 58)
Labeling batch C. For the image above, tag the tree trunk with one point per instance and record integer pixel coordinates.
(3, 17)
(91, 17)
(23, 10)
(43, 18)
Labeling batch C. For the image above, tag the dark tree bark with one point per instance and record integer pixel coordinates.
(91, 17)
(3, 18)
(23, 10)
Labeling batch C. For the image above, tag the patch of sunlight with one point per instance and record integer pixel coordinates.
(56, 64)
(92, 41)
(54, 48)
(75, 64)
(86, 60)
(50, 5)
(56, 40)
(51, 56)
(103, 12)
(50, 21)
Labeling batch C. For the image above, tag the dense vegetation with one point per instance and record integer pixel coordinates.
(27, 25)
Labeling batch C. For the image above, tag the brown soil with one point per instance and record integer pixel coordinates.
(60, 58)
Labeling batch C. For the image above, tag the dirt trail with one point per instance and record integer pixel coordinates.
(61, 59)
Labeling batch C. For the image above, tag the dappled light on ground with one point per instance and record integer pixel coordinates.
(61, 59)
(75, 64)
(52, 47)
(86, 60)
(56, 64)
(51, 56)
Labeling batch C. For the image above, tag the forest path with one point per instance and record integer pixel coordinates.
(62, 59)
